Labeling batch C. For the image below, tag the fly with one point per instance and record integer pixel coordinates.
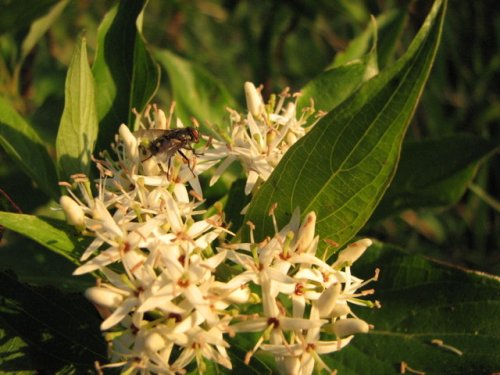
(169, 142)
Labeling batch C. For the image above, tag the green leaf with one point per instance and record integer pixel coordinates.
(196, 92)
(78, 128)
(48, 331)
(51, 233)
(333, 86)
(434, 173)
(389, 26)
(18, 14)
(125, 74)
(26, 149)
(343, 166)
(40, 27)
(424, 301)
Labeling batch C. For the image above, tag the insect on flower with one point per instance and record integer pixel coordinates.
(166, 143)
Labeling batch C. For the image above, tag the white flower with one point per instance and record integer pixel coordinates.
(260, 138)
(286, 267)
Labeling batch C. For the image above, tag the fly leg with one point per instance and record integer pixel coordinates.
(187, 160)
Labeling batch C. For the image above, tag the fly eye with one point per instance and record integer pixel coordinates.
(195, 135)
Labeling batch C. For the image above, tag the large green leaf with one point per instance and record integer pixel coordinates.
(434, 173)
(125, 74)
(423, 301)
(78, 128)
(343, 166)
(47, 331)
(196, 92)
(54, 234)
(26, 149)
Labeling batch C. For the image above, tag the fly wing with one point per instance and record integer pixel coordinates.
(150, 133)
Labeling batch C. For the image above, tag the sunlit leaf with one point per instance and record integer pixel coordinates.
(424, 301)
(434, 173)
(78, 128)
(343, 166)
(25, 147)
(54, 234)
(125, 74)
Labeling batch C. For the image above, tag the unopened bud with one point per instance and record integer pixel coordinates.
(351, 253)
(254, 99)
(154, 342)
(74, 213)
(161, 120)
(306, 232)
(328, 300)
(129, 141)
(239, 296)
(350, 326)
(103, 297)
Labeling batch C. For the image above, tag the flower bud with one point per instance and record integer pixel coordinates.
(161, 120)
(350, 326)
(103, 297)
(254, 99)
(74, 213)
(154, 342)
(328, 300)
(351, 253)
(339, 309)
(239, 296)
(129, 141)
(306, 232)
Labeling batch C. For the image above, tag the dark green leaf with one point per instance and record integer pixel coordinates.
(196, 92)
(389, 27)
(53, 234)
(424, 301)
(342, 167)
(78, 128)
(47, 331)
(332, 87)
(125, 74)
(18, 14)
(434, 173)
(25, 148)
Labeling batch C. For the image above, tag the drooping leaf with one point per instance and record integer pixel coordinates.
(48, 331)
(54, 234)
(18, 14)
(40, 27)
(125, 74)
(26, 149)
(424, 301)
(196, 92)
(434, 173)
(78, 128)
(342, 167)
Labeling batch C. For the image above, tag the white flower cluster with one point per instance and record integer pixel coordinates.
(165, 301)
(260, 138)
